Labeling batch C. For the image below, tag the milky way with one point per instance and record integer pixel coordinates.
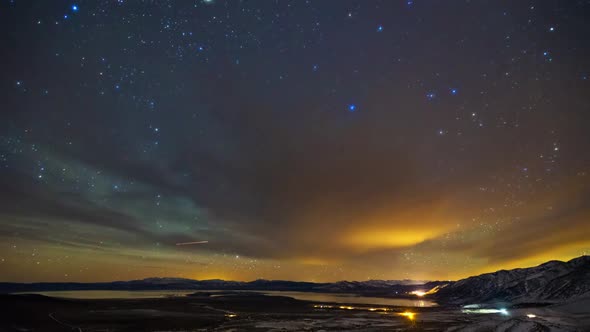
(303, 140)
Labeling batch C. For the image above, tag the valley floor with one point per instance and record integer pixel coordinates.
(253, 312)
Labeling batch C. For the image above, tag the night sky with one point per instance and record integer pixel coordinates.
(302, 140)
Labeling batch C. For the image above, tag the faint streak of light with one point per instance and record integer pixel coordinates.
(191, 243)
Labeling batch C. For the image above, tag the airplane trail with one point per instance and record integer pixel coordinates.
(191, 243)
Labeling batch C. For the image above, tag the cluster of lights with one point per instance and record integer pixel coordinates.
(418, 293)
(476, 309)
(501, 311)
(421, 292)
(379, 309)
(322, 306)
(408, 314)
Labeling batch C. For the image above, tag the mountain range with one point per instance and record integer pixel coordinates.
(551, 282)
(369, 288)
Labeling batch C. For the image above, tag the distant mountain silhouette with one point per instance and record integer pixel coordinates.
(370, 287)
(551, 282)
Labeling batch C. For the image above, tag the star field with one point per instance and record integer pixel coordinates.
(302, 140)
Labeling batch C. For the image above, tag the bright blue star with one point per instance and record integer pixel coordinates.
(75, 8)
(380, 28)
(65, 16)
(454, 91)
(352, 107)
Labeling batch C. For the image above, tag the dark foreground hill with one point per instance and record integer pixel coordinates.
(551, 282)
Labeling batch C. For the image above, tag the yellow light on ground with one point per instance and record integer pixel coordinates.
(231, 315)
(409, 315)
(531, 315)
(418, 293)
(346, 307)
(378, 309)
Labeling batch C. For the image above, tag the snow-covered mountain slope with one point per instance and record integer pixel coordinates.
(551, 282)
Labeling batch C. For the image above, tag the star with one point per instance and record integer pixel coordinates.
(351, 107)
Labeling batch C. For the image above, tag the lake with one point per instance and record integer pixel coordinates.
(304, 296)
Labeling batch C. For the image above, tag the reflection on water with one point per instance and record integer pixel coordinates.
(315, 297)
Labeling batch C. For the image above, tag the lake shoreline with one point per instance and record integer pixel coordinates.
(343, 298)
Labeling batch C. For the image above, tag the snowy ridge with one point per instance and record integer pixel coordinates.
(551, 282)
